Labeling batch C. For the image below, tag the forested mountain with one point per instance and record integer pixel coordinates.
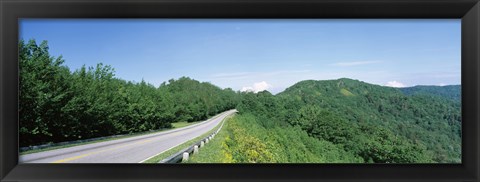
(378, 124)
(449, 91)
(341, 120)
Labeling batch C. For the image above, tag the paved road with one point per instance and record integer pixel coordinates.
(127, 150)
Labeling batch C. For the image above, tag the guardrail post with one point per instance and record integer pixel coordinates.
(185, 157)
(195, 149)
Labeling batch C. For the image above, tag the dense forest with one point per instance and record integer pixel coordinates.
(370, 122)
(58, 105)
(447, 92)
(341, 120)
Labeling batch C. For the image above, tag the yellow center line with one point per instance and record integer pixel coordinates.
(104, 150)
(96, 152)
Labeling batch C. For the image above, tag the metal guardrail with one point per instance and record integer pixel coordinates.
(22, 149)
(178, 157)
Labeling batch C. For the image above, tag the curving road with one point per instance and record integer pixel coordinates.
(128, 150)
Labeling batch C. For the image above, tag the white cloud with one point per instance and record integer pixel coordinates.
(354, 63)
(257, 87)
(247, 89)
(395, 84)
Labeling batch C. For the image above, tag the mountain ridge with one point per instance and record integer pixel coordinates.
(422, 116)
(441, 91)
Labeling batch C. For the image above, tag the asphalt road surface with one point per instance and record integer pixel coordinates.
(128, 150)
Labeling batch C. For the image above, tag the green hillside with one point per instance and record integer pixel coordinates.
(376, 123)
(452, 92)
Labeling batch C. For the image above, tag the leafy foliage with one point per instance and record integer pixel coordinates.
(58, 105)
(249, 141)
(378, 124)
(452, 92)
(426, 123)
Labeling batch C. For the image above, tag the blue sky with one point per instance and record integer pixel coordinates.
(259, 54)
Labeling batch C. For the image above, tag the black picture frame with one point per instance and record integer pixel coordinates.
(467, 10)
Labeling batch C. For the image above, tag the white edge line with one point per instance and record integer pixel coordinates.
(169, 148)
(164, 151)
(174, 146)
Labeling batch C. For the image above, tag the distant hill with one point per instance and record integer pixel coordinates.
(426, 115)
(450, 91)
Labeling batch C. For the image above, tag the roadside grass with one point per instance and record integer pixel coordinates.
(182, 124)
(182, 146)
(213, 151)
(175, 125)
